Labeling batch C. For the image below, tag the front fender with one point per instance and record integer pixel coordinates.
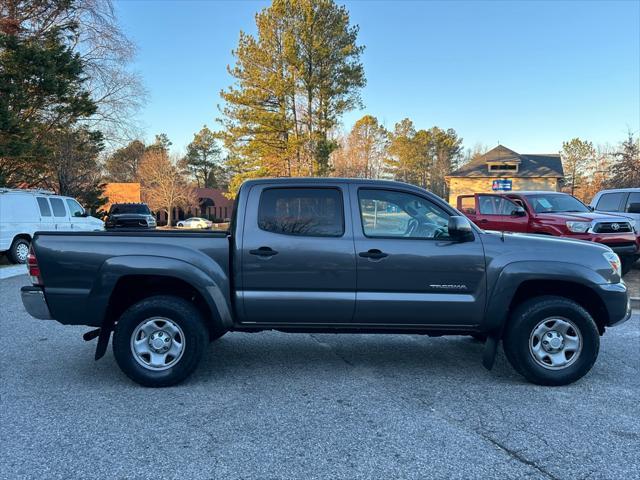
(208, 279)
(512, 275)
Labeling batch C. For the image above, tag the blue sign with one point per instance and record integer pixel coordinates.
(501, 185)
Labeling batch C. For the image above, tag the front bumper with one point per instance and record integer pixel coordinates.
(616, 301)
(623, 243)
(35, 303)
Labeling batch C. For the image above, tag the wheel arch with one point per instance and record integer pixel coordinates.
(121, 281)
(520, 281)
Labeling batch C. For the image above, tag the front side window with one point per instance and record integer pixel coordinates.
(58, 207)
(75, 208)
(609, 202)
(387, 213)
(312, 212)
(634, 197)
(43, 205)
(489, 204)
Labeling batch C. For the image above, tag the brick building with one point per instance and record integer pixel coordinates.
(502, 169)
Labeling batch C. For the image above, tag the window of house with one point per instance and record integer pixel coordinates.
(503, 167)
(388, 213)
(610, 202)
(58, 207)
(314, 212)
(43, 204)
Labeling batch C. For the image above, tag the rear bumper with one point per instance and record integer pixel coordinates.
(35, 303)
(616, 301)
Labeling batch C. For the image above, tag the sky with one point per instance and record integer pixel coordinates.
(528, 75)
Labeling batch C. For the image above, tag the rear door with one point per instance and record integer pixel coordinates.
(46, 215)
(297, 256)
(409, 271)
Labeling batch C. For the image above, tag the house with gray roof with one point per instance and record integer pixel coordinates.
(501, 169)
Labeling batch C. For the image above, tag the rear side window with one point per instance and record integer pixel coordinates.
(634, 197)
(468, 205)
(58, 207)
(610, 202)
(312, 212)
(43, 205)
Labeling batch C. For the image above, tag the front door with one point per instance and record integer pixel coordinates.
(298, 260)
(409, 271)
(496, 212)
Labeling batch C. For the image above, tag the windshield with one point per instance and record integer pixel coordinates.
(141, 209)
(556, 202)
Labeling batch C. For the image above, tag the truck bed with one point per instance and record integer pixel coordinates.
(78, 267)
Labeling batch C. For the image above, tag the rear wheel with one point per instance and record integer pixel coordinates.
(159, 341)
(19, 250)
(551, 341)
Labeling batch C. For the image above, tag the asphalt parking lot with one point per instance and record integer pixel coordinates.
(273, 405)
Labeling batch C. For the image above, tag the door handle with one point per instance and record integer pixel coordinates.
(484, 220)
(373, 253)
(263, 252)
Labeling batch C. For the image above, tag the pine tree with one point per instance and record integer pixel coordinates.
(203, 158)
(293, 82)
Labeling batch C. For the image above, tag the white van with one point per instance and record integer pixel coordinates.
(23, 212)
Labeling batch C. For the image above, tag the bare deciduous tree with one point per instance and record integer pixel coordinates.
(163, 184)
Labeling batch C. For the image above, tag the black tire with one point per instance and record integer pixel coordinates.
(16, 251)
(216, 333)
(178, 311)
(519, 332)
(627, 263)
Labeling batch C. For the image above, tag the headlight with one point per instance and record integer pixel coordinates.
(614, 261)
(578, 227)
(634, 225)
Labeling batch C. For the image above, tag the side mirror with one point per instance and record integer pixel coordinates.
(634, 208)
(460, 229)
(519, 212)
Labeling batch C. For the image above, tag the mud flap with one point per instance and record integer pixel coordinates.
(489, 353)
(103, 340)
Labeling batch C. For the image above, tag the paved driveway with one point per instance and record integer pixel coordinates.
(273, 405)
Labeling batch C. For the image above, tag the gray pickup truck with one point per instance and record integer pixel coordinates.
(337, 256)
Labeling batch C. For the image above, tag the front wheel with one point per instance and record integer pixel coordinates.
(627, 263)
(159, 341)
(551, 341)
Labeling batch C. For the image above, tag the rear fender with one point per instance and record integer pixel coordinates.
(209, 280)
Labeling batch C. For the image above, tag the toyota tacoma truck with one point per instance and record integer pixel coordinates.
(330, 255)
(553, 213)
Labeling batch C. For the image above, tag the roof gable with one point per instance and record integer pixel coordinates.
(529, 165)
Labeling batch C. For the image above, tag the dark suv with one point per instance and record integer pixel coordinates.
(129, 215)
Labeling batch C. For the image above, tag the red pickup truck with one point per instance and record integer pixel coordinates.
(552, 213)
